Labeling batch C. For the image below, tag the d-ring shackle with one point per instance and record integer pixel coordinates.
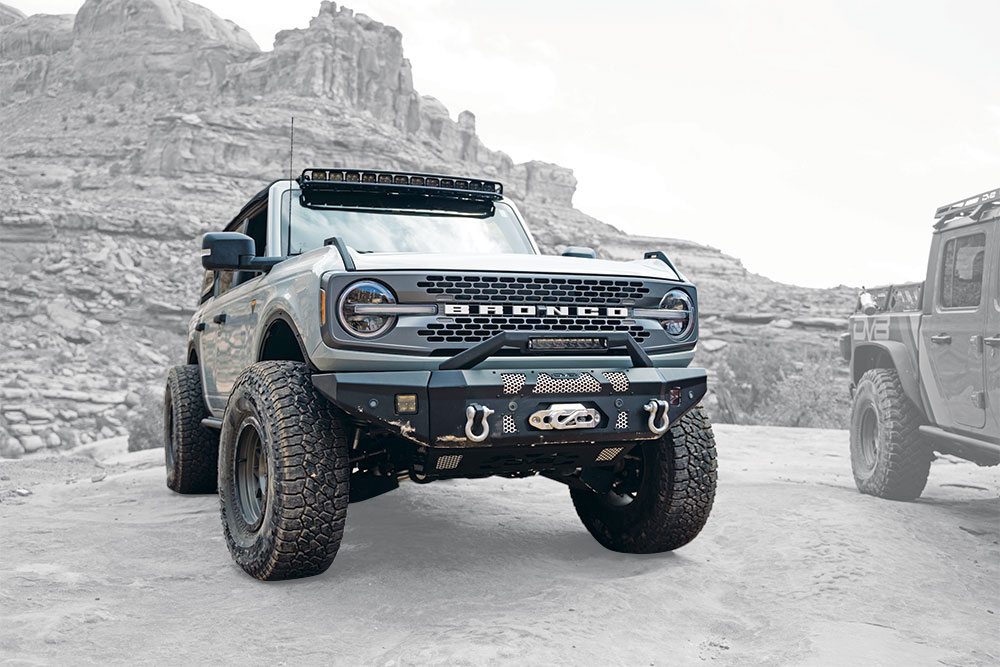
(473, 414)
(657, 410)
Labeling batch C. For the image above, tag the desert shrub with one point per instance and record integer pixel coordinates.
(780, 385)
(145, 421)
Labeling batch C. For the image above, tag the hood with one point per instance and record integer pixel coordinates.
(513, 263)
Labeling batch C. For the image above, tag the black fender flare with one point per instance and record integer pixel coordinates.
(871, 354)
(265, 327)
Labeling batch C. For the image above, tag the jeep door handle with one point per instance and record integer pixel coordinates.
(221, 319)
(201, 326)
(992, 341)
(941, 339)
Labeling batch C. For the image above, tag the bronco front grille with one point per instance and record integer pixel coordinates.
(535, 289)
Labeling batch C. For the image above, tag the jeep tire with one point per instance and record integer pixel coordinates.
(663, 491)
(888, 457)
(191, 450)
(284, 473)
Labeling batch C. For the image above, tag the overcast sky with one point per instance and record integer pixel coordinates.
(813, 140)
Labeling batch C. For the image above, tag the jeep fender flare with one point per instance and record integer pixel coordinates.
(889, 354)
(265, 328)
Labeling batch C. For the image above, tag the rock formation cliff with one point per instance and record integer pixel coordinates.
(134, 126)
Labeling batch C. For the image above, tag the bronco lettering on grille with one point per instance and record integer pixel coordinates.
(535, 311)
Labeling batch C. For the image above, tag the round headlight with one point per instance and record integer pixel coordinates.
(683, 324)
(361, 324)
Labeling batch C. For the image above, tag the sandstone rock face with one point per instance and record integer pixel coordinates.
(130, 21)
(134, 127)
(167, 47)
(38, 35)
(9, 14)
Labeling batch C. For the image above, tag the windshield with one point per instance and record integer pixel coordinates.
(402, 231)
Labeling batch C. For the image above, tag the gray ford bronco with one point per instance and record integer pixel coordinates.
(925, 358)
(358, 328)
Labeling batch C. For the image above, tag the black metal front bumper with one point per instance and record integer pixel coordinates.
(619, 396)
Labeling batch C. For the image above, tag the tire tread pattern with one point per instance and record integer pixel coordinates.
(196, 448)
(903, 459)
(307, 440)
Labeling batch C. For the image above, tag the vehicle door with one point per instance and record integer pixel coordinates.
(230, 321)
(953, 330)
(992, 341)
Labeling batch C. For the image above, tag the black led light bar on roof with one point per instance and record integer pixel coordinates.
(348, 180)
(967, 204)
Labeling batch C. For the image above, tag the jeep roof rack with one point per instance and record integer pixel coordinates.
(964, 206)
(398, 182)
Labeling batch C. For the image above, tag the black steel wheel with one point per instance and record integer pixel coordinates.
(662, 493)
(251, 472)
(629, 478)
(190, 450)
(284, 475)
(868, 437)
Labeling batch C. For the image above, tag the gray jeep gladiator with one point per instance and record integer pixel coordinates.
(925, 358)
(358, 328)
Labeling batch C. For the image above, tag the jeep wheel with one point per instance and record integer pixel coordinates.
(662, 493)
(888, 458)
(191, 450)
(284, 474)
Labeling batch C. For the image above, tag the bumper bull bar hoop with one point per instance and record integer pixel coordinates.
(476, 354)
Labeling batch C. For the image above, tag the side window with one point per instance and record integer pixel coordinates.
(256, 229)
(225, 282)
(962, 271)
(206, 286)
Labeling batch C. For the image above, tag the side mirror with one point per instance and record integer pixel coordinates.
(221, 251)
(577, 251)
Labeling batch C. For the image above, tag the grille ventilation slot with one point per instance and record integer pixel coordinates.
(609, 453)
(509, 425)
(618, 380)
(449, 462)
(536, 289)
(512, 382)
(477, 328)
(585, 383)
(621, 423)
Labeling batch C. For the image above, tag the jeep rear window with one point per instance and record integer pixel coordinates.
(962, 271)
(403, 231)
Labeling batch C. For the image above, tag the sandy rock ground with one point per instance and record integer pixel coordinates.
(101, 564)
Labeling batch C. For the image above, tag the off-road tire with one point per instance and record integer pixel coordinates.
(304, 502)
(673, 500)
(190, 449)
(895, 462)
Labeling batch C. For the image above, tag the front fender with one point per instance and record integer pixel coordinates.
(889, 354)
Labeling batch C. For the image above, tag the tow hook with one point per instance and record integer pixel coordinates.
(658, 422)
(477, 413)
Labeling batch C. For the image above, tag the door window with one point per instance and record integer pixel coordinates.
(225, 282)
(206, 286)
(962, 271)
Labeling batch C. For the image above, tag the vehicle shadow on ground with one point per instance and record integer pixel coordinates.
(403, 534)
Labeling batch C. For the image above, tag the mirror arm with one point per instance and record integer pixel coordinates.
(259, 264)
